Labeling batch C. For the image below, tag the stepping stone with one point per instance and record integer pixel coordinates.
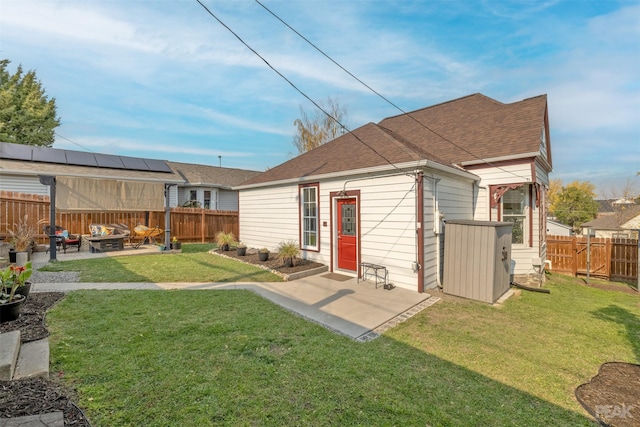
(9, 348)
(52, 419)
(33, 360)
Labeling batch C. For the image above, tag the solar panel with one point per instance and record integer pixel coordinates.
(15, 151)
(157, 165)
(134, 163)
(81, 158)
(109, 161)
(51, 155)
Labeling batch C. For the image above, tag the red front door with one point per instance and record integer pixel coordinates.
(347, 236)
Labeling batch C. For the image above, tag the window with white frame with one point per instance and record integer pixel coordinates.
(514, 210)
(309, 217)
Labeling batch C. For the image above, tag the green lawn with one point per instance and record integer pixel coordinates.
(204, 358)
(194, 264)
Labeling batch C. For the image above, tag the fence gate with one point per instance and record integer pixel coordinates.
(609, 258)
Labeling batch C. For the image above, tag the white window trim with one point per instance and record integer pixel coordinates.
(525, 215)
(304, 190)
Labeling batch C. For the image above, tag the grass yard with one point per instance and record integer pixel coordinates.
(204, 358)
(194, 264)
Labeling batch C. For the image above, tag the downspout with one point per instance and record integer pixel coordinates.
(420, 228)
(437, 218)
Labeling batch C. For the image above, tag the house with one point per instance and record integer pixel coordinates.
(556, 228)
(383, 193)
(209, 187)
(622, 223)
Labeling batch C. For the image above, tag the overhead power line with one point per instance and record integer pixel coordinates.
(292, 84)
(380, 95)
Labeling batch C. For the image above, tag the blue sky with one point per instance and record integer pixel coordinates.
(163, 79)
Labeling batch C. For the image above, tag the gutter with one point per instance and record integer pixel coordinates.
(78, 175)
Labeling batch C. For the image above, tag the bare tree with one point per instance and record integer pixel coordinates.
(319, 128)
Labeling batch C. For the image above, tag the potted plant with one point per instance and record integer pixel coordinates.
(288, 252)
(175, 244)
(241, 249)
(263, 254)
(22, 235)
(224, 240)
(14, 289)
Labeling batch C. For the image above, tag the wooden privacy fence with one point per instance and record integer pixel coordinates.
(608, 258)
(187, 224)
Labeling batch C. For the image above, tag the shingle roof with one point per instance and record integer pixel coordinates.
(615, 220)
(475, 127)
(213, 176)
(480, 127)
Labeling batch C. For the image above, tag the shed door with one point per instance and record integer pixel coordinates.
(347, 236)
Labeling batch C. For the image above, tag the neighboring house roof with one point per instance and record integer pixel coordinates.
(211, 176)
(463, 130)
(606, 207)
(558, 224)
(614, 221)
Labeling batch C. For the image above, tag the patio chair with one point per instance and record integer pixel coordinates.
(142, 233)
(63, 238)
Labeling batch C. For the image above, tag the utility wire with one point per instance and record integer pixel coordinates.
(73, 142)
(380, 95)
(293, 85)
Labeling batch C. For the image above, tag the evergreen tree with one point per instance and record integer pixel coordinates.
(26, 115)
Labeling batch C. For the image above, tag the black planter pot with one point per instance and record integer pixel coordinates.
(224, 248)
(176, 245)
(11, 310)
(24, 290)
(241, 251)
(12, 256)
(263, 256)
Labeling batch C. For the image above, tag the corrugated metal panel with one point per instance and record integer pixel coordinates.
(23, 184)
(475, 266)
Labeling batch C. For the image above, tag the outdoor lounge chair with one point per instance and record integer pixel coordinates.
(63, 238)
(142, 233)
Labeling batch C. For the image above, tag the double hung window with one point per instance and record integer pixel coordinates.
(309, 217)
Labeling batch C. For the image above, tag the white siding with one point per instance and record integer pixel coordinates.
(388, 226)
(227, 200)
(23, 184)
(455, 200)
(522, 255)
(504, 174)
(387, 209)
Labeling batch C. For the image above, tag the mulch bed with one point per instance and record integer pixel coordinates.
(273, 263)
(34, 396)
(612, 397)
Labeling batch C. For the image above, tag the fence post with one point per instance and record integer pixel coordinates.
(202, 223)
(588, 254)
(638, 264)
(574, 258)
(607, 258)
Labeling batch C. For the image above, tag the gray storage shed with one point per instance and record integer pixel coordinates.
(477, 259)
